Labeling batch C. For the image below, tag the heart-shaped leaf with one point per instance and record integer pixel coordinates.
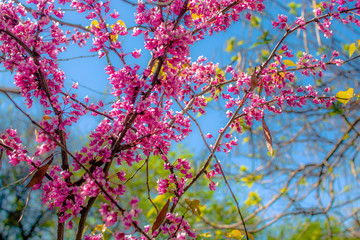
(289, 63)
(194, 206)
(239, 234)
(344, 97)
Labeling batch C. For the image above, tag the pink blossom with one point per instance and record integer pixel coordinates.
(136, 53)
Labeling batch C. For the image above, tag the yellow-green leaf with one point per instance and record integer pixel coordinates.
(220, 72)
(230, 44)
(239, 234)
(241, 42)
(344, 97)
(205, 235)
(303, 181)
(99, 228)
(194, 206)
(352, 49)
(289, 63)
(253, 199)
(243, 168)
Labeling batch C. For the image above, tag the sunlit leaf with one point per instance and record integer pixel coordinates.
(235, 234)
(208, 99)
(161, 216)
(253, 199)
(303, 182)
(255, 21)
(249, 180)
(121, 22)
(344, 97)
(115, 36)
(46, 117)
(289, 63)
(205, 235)
(352, 49)
(243, 168)
(241, 42)
(239, 234)
(346, 136)
(230, 44)
(153, 69)
(99, 228)
(94, 24)
(220, 72)
(195, 16)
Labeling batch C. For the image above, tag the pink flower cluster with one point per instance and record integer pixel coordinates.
(150, 107)
(177, 227)
(11, 143)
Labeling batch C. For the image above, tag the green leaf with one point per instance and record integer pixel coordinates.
(263, 39)
(336, 110)
(230, 44)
